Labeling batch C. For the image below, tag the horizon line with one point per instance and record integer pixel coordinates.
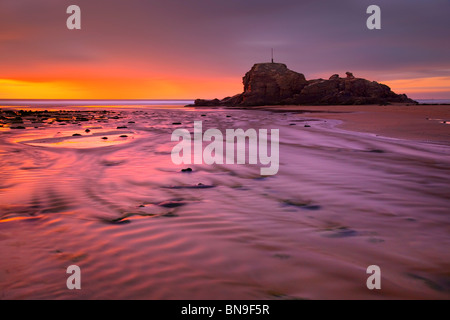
(38, 99)
(134, 99)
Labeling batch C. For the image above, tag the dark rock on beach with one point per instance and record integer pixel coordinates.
(208, 103)
(171, 204)
(271, 83)
(342, 232)
(275, 84)
(345, 91)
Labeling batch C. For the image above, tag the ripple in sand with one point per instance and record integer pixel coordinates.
(171, 204)
(128, 217)
(19, 218)
(445, 286)
(125, 218)
(112, 163)
(79, 142)
(302, 205)
(196, 186)
(341, 232)
(375, 151)
(72, 257)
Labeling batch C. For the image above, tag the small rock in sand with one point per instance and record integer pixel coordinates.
(171, 204)
(342, 232)
(376, 151)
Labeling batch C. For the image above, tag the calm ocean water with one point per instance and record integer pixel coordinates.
(50, 103)
(84, 103)
(433, 101)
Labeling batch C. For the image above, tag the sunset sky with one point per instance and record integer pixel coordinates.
(186, 49)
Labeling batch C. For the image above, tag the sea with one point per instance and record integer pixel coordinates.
(130, 103)
(58, 103)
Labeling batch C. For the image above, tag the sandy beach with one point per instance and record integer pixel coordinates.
(414, 122)
(259, 151)
(96, 187)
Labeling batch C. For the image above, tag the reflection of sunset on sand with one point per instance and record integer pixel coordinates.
(416, 122)
(141, 227)
(224, 150)
(107, 139)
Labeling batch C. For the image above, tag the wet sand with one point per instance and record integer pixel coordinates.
(415, 122)
(141, 228)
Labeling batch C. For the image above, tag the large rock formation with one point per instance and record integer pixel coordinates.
(271, 83)
(275, 84)
(348, 90)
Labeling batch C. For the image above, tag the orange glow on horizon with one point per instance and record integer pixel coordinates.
(161, 88)
(171, 88)
(420, 85)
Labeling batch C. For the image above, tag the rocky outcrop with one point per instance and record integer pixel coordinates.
(334, 77)
(350, 75)
(271, 84)
(275, 84)
(350, 90)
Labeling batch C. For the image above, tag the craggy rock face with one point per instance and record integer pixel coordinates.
(348, 91)
(271, 83)
(275, 84)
